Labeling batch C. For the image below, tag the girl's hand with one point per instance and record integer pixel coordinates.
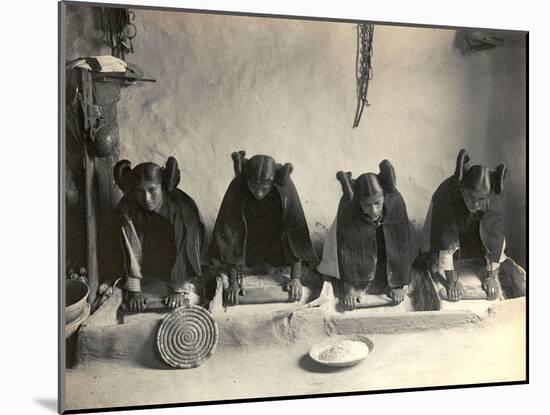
(295, 289)
(136, 302)
(397, 295)
(490, 285)
(350, 296)
(176, 300)
(231, 293)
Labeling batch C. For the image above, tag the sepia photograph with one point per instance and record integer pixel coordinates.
(258, 207)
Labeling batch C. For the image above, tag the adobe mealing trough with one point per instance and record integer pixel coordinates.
(114, 334)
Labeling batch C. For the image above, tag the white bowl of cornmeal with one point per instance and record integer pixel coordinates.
(341, 351)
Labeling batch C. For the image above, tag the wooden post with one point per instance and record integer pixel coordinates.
(91, 226)
(106, 96)
(89, 172)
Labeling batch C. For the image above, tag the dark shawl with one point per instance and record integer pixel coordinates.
(228, 243)
(449, 214)
(356, 241)
(180, 210)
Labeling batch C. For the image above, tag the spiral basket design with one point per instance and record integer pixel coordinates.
(187, 337)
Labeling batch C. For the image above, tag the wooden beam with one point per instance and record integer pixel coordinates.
(89, 171)
(91, 226)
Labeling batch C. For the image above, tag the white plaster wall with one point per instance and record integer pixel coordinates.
(287, 88)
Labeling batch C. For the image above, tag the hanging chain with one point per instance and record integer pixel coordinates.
(363, 65)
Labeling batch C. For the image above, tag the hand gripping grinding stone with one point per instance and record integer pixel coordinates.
(187, 337)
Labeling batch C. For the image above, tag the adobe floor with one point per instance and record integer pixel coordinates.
(490, 350)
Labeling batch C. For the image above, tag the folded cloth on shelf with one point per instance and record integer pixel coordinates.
(105, 63)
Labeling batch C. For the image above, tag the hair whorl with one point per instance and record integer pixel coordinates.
(346, 183)
(387, 176)
(238, 161)
(282, 173)
(170, 174)
(498, 177)
(461, 160)
(123, 175)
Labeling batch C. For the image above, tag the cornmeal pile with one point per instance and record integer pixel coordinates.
(344, 351)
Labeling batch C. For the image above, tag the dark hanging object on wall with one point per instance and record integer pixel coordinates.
(118, 30)
(471, 41)
(363, 67)
(478, 40)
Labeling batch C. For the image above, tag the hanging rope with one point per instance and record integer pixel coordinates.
(363, 67)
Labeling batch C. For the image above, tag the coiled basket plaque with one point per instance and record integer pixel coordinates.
(187, 337)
